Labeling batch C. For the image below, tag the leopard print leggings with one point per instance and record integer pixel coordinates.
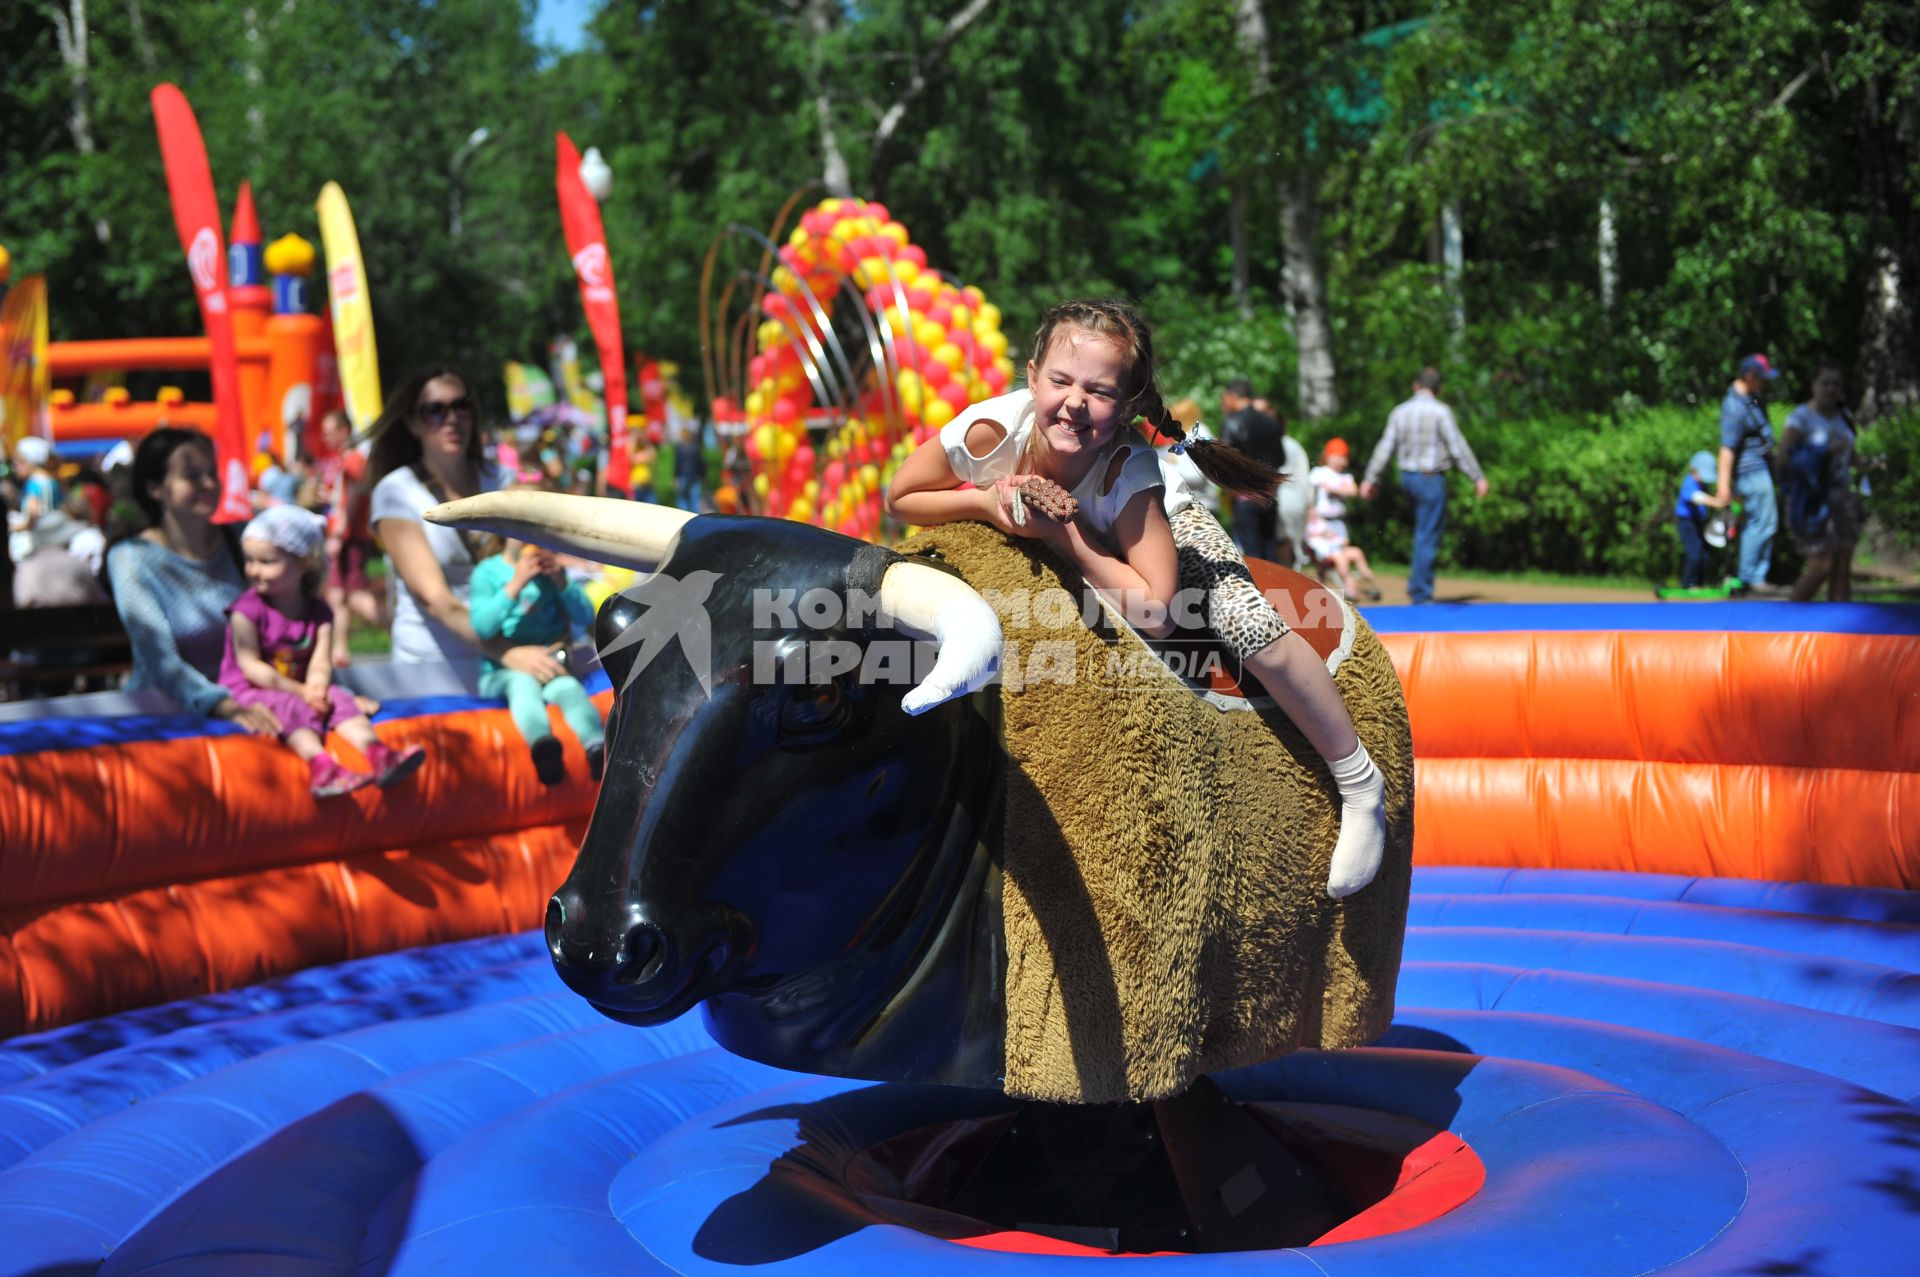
(1209, 560)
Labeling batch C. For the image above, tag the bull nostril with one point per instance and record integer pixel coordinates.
(643, 954)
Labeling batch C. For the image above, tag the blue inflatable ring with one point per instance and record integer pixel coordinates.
(1657, 1074)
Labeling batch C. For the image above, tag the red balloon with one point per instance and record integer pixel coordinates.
(915, 254)
(918, 299)
(909, 354)
(956, 394)
(803, 458)
(936, 374)
(774, 304)
(878, 212)
(941, 312)
(785, 410)
(982, 356)
(834, 475)
(996, 380)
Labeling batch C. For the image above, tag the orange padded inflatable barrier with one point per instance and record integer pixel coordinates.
(147, 870)
(1784, 756)
(158, 869)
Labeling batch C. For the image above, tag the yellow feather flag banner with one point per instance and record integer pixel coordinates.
(352, 308)
(25, 379)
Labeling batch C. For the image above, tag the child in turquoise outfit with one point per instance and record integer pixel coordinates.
(523, 594)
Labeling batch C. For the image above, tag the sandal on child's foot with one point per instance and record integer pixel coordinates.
(390, 765)
(597, 759)
(549, 761)
(329, 779)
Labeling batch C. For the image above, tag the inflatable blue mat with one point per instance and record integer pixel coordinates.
(1664, 1074)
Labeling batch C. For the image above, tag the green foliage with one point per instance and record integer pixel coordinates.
(1754, 165)
(1890, 454)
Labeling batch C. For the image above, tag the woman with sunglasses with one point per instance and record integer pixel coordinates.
(427, 448)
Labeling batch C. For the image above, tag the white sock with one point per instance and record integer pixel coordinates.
(1363, 823)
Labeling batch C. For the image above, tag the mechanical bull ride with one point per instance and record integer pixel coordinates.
(1089, 882)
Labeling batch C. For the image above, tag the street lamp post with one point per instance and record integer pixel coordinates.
(475, 140)
(595, 175)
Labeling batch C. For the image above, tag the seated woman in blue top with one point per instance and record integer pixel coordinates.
(174, 582)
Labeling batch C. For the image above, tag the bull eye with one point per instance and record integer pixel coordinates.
(813, 708)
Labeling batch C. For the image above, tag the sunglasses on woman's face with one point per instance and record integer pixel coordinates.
(435, 411)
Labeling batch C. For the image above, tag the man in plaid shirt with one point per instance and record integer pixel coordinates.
(1422, 436)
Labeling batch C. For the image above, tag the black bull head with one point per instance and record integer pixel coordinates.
(776, 835)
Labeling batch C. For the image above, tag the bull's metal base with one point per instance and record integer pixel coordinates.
(1194, 1173)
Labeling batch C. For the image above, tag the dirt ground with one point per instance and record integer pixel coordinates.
(1459, 590)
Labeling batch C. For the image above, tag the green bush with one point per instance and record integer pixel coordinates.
(1890, 452)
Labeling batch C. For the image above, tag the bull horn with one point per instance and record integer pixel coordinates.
(628, 534)
(930, 604)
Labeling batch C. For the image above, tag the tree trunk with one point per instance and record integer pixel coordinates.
(1304, 285)
(1237, 232)
(70, 29)
(818, 20)
(880, 155)
(1888, 377)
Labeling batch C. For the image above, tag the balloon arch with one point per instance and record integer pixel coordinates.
(836, 353)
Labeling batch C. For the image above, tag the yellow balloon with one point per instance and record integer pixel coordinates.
(811, 490)
(995, 341)
(895, 232)
(905, 271)
(756, 404)
(950, 355)
(763, 440)
(801, 510)
(783, 447)
(937, 413)
(928, 333)
(898, 321)
(962, 319)
(988, 314)
(974, 294)
(762, 484)
(870, 476)
(640, 477)
(913, 395)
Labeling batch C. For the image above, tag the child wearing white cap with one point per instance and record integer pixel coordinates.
(279, 655)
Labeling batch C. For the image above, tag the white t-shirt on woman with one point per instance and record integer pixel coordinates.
(417, 637)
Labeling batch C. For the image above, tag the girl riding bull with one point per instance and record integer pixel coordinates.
(1138, 534)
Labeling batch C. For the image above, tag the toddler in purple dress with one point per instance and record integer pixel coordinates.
(280, 655)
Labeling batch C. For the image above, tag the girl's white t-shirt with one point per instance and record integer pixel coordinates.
(417, 637)
(1143, 469)
(1331, 488)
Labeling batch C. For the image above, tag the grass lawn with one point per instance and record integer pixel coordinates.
(1640, 584)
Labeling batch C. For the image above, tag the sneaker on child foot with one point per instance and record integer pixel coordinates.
(549, 761)
(330, 779)
(390, 765)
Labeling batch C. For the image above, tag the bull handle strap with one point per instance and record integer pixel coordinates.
(869, 568)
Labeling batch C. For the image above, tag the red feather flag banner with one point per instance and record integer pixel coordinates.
(587, 243)
(196, 215)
